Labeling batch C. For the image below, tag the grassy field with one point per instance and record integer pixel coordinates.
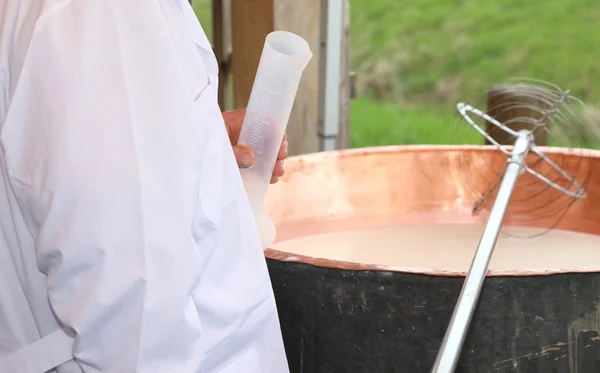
(416, 58)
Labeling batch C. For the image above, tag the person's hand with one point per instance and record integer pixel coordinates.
(244, 155)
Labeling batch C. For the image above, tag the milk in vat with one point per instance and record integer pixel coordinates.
(450, 247)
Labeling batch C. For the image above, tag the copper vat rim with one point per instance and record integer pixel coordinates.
(316, 157)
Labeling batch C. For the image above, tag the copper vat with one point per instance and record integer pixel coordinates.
(335, 315)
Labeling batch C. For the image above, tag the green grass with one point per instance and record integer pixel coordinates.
(382, 123)
(416, 58)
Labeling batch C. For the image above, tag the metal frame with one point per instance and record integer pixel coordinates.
(333, 13)
(221, 43)
(330, 62)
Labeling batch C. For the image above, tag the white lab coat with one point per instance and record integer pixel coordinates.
(127, 243)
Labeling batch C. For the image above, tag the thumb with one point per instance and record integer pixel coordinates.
(243, 155)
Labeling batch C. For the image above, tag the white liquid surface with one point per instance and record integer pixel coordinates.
(451, 247)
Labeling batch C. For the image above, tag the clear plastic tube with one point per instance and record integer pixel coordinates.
(283, 60)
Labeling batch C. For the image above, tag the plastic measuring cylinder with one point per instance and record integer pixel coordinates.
(283, 60)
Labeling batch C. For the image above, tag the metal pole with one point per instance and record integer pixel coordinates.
(221, 40)
(332, 18)
(452, 343)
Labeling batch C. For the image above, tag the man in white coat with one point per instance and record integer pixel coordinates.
(127, 243)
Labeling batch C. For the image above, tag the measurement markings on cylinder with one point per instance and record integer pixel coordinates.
(262, 118)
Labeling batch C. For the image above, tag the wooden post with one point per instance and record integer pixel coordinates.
(303, 18)
(221, 37)
(303, 129)
(251, 22)
(508, 102)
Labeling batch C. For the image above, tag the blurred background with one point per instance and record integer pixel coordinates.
(415, 59)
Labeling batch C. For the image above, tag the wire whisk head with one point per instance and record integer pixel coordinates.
(557, 167)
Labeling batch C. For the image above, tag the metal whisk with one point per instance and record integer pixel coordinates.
(555, 116)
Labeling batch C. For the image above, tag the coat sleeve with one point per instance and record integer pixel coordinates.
(99, 147)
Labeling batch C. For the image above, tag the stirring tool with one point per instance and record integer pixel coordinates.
(524, 145)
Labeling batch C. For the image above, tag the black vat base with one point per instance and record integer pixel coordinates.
(343, 321)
